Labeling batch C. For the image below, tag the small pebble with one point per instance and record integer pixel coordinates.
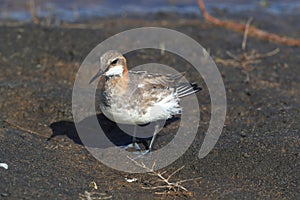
(243, 134)
(4, 165)
(245, 155)
(4, 194)
(130, 180)
(38, 66)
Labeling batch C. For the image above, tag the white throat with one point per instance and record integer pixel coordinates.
(116, 70)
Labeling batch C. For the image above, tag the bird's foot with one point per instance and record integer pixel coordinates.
(135, 149)
(131, 146)
(142, 154)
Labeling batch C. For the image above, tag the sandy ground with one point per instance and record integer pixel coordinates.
(257, 155)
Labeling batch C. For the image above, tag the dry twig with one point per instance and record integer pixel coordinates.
(168, 185)
(246, 34)
(32, 9)
(246, 59)
(252, 31)
(94, 196)
(14, 125)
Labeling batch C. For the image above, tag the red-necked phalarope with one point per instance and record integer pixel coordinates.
(138, 97)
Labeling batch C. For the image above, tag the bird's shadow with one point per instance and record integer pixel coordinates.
(112, 131)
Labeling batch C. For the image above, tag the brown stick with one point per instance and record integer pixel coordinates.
(252, 31)
(33, 12)
(172, 186)
(14, 125)
(246, 34)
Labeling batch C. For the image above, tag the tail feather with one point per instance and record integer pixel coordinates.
(187, 89)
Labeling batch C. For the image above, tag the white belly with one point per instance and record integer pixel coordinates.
(125, 116)
(118, 116)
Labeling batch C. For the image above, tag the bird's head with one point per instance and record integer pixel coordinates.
(112, 63)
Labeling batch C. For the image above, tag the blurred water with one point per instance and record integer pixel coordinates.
(72, 10)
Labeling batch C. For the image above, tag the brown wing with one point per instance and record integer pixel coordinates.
(160, 81)
(147, 81)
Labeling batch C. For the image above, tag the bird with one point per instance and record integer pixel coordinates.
(138, 97)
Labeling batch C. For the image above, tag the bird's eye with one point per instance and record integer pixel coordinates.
(114, 61)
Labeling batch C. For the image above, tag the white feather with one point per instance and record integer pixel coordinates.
(164, 108)
(116, 70)
(161, 110)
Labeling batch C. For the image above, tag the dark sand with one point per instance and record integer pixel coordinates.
(257, 155)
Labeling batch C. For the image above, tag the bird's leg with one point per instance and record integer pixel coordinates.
(133, 142)
(148, 151)
(153, 137)
(137, 147)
